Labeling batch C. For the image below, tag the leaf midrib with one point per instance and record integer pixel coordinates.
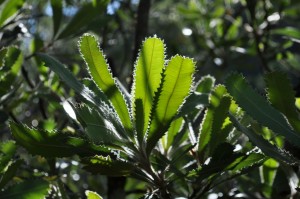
(173, 89)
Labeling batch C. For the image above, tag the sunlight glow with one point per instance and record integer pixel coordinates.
(187, 31)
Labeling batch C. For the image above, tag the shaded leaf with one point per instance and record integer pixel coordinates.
(282, 96)
(107, 166)
(101, 74)
(57, 10)
(53, 144)
(7, 151)
(84, 16)
(259, 109)
(222, 159)
(68, 78)
(193, 102)
(98, 128)
(266, 147)
(248, 161)
(10, 173)
(147, 77)
(29, 189)
(288, 31)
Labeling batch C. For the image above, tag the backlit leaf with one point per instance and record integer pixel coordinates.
(147, 77)
(7, 151)
(212, 124)
(9, 9)
(92, 195)
(101, 74)
(176, 87)
(205, 84)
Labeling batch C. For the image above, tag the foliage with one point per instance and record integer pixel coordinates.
(137, 123)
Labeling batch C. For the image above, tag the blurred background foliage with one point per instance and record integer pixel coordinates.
(249, 36)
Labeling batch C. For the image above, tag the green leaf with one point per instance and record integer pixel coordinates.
(222, 159)
(147, 77)
(259, 109)
(29, 189)
(92, 195)
(68, 78)
(7, 151)
(53, 144)
(3, 52)
(12, 65)
(57, 10)
(212, 124)
(176, 87)
(194, 101)
(99, 104)
(282, 97)
(98, 128)
(288, 31)
(107, 166)
(205, 84)
(9, 9)
(84, 16)
(101, 74)
(173, 131)
(266, 147)
(249, 161)
(10, 173)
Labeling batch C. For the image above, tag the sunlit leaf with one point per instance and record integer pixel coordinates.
(212, 124)
(205, 84)
(7, 151)
(101, 74)
(147, 77)
(175, 88)
(9, 9)
(92, 195)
